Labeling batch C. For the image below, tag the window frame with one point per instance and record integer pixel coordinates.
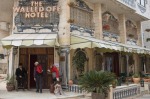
(142, 2)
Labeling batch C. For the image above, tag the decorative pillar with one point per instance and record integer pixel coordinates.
(97, 14)
(110, 94)
(64, 65)
(122, 28)
(14, 61)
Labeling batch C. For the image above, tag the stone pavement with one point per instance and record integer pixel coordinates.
(145, 97)
(20, 94)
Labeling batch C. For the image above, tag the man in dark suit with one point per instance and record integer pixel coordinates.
(21, 75)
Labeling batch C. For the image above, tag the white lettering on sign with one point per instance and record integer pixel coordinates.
(36, 10)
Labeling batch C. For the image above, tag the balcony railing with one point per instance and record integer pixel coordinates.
(130, 3)
(126, 91)
(120, 92)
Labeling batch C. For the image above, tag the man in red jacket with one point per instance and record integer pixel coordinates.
(38, 71)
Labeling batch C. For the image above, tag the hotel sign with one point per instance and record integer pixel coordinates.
(36, 16)
(36, 9)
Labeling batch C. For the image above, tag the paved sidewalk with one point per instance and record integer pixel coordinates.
(20, 94)
(145, 97)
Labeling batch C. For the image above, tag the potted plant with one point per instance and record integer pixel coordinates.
(10, 84)
(146, 78)
(136, 78)
(115, 83)
(97, 82)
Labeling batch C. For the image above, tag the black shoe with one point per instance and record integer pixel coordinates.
(40, 91)
(37, 91)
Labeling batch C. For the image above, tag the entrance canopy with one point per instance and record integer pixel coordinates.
(90, 42)
(30, 39)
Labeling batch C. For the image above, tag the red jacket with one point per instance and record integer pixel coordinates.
(54, 69)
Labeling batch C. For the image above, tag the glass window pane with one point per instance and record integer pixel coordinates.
(143, 2)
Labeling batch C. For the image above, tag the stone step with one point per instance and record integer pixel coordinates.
(72, 97)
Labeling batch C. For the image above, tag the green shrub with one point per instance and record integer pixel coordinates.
(97, 81)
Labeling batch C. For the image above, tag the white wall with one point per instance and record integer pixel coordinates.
(146, 13)
(146, 25)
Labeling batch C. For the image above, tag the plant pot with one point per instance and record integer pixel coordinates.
(98, 96)
(136, 80)
(10, 87)
(70, 82)
(114, 86)
(146, 80)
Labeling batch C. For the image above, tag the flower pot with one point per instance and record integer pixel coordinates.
(98, 96)
(70, 82)
(136, 80)
(146, 80)
(10, 87)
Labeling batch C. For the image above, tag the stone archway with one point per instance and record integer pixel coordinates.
(79, 62)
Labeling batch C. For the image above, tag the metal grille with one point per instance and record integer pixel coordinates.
(81, 17)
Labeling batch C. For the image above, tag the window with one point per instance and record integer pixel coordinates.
(142, 2)
(81, 17)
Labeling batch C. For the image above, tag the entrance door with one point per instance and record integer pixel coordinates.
(42, 59)
(112, 62)
(45, 56)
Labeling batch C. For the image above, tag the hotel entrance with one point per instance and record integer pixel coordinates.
(45, 56)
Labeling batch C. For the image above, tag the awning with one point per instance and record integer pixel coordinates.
(30, 39)
(90, 42)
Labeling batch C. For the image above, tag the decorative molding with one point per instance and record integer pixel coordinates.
(131, 41)
(81, 29)
(110, 36)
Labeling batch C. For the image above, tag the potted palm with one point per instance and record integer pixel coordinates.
(10, 84)
(136, 78)
(97, 82)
